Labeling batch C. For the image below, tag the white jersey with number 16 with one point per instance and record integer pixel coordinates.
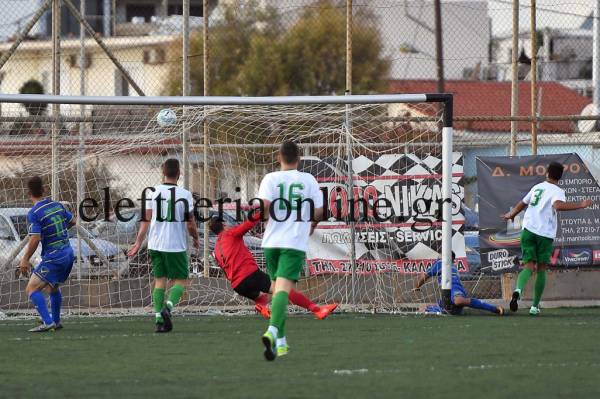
(290, 228)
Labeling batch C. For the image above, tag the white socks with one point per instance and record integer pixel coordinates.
(273, 330)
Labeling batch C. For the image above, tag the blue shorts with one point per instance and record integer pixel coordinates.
(457, 290)
(55, 270)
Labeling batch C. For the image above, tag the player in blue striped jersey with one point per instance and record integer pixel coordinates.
(48, 222)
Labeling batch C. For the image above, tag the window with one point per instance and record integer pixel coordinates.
(121, 84)
(177, 9)
(145, 11)
(5, 230)
(20, 223)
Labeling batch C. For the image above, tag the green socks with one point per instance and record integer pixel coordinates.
(175, 295)
(522, 279)
(158, 299)
(538, 288)
(279, 305)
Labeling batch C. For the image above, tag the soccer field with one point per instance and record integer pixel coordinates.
(347, 356)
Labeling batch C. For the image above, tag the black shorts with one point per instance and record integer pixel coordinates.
(253, 285)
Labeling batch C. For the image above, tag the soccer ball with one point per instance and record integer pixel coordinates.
(166, 117)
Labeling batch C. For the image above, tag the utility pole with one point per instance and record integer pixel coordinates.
(514, 101)
(596, 57)
(439, 47)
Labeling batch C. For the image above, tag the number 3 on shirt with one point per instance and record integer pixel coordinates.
(293, 197)
(537, 195)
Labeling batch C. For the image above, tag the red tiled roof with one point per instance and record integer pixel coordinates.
(491, 98)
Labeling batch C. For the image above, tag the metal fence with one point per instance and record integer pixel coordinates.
(522, 72)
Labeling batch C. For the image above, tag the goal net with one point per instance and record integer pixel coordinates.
(378, 161)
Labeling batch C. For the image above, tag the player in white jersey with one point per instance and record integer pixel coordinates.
(168, 214)
(539, 231)
(295, 205)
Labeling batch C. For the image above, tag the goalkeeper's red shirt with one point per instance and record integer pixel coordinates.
(233, 256)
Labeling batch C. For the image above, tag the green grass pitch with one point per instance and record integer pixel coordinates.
(351, 356)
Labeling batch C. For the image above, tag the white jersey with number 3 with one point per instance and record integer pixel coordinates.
(540, 216)
(287, 187)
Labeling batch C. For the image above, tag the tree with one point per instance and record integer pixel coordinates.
(314, 52)
(32, 86)
(231, 43)
(252, 54)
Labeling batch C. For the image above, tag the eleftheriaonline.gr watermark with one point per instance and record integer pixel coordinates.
(337, 206)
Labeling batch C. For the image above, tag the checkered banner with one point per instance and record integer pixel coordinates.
(395, 208)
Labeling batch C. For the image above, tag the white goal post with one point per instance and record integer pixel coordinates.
(361, 147)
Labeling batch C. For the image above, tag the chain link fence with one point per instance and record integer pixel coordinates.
(301, 47)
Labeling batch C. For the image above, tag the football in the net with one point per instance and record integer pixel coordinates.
(166, 117)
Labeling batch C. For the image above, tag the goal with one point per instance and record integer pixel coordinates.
(391, 182)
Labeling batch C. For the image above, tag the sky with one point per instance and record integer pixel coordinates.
(568, 14)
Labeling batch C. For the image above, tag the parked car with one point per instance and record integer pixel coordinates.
(472, 250)
(123, 234)
(13, 229)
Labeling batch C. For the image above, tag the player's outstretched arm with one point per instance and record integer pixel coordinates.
(144, 226)
(571, 206)
(515, 211)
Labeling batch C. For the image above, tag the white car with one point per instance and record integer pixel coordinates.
(13, 229)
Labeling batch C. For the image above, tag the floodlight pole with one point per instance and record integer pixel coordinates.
(514, 100)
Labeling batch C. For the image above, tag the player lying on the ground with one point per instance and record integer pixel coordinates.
(539, 230)
(167, 241)
(48, 222)
(243, 273)
(458, 295)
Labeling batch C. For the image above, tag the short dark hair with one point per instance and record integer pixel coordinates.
(171, 168)
(35, 186)
(555, 171)
(289, 151)
(215, 224)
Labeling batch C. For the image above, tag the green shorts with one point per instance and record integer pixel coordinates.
(536, 248)
(172, 265)
(284, 262)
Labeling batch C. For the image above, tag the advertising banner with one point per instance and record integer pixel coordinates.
(395, 209)
(504, 181)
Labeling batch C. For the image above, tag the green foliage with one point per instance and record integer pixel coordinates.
(32, 86)
(96, 176)
(253, 53)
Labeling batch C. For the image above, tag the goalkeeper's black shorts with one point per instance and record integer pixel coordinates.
(252, 286)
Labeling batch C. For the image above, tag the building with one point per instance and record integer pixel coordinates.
(492, 138)
(144, 57)
(564, 55)
(99, 15)
(407, 32)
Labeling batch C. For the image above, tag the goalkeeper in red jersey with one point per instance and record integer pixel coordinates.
(232, 255)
